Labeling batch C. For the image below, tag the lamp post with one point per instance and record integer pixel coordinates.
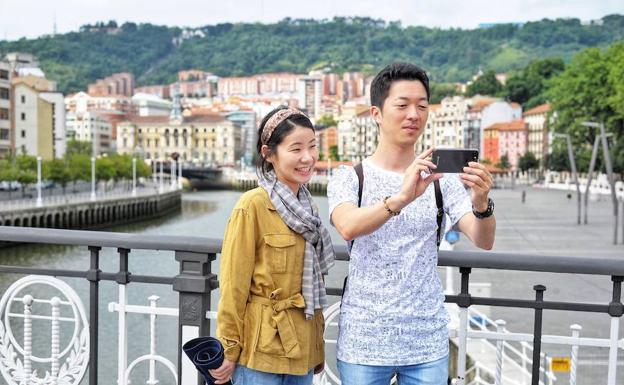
(161, 188)
(180, 175)
(173, 166)
(134, 191)
(607, 158)
(39, 201)
(154, 172)
(92, 179)
(574, 174)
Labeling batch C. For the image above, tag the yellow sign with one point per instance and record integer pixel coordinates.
(560, 364)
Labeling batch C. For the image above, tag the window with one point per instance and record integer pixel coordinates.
(4, 134)
(4, 93)
(4, 74)
(4, 113)
(23, 99)
(23, 116)
(23, 133)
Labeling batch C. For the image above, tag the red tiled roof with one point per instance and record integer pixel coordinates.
(543, 108)
(515, 125)
(481, 104)
(364, 112)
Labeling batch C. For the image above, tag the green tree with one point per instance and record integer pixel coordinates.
(503, 163)
(78, 147)
(528, 161)
(104, 169)
(439, 91)
(527, 86)
(326, 120)
(333, 153)
(57, 170)
(8, 172)
(486, 84)
(591, 89)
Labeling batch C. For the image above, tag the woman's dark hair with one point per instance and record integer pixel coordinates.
(380, 87)
(284, 128)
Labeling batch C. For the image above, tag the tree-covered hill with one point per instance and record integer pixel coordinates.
(341, 44)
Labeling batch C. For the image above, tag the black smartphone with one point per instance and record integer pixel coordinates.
(453, 160)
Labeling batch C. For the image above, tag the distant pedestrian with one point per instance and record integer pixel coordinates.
(523, 196)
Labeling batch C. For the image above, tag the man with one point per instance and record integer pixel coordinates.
(392, 317)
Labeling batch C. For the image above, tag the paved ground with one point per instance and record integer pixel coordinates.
(546, 225)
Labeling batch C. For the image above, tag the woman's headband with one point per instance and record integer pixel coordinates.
(275, 120)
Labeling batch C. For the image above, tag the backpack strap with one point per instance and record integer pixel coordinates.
(359, 170)
(440, 211)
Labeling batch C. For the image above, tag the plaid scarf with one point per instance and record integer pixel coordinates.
(302, 217)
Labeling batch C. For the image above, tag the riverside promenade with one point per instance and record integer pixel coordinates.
(92, 210)
(546, 225)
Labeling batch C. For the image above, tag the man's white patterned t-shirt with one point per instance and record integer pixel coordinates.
(393, 311)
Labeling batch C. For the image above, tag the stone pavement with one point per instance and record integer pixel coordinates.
(546, 225)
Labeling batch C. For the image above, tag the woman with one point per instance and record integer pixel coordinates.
(275, 252)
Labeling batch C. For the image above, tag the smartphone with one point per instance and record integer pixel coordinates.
(453, 160)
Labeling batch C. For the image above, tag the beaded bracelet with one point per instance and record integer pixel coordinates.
(388, 209)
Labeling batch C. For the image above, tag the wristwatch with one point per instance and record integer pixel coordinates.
(487, 213)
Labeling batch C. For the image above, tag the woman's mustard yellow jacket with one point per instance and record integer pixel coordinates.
(260, 318)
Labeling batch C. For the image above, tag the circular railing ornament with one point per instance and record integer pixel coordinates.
(67, 364)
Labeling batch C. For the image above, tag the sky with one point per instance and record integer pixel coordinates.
(33, 18)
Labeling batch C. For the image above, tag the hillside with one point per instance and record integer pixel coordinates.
(155, 53)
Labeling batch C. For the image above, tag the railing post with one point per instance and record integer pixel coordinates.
(194, 285)
(500, 347)
(576, 332)
(616, 309)
(93, 276)
(537, 335)
(122, 279)
(463, 303)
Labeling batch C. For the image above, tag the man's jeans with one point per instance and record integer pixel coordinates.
(429, 373)
(246, 376)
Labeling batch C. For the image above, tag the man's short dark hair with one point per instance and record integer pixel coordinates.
(380, 86)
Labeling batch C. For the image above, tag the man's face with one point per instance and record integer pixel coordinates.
(404, 113)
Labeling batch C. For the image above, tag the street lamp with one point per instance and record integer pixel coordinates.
(134, 191)
(180, 174)
(92, 179)
(39, 201)
(173, 167)
(161, 188)
(574, 174)
(607, 157)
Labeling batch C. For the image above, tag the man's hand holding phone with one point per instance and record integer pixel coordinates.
(414, 183)
(473, 174)
(478, 178)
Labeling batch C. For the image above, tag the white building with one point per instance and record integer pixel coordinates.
(39, 121)
(91, 127)
(536, 119)
(447, 123)
(5, 108)
(358, 135)
(310, 95)
(199, 139)
(151, 105)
